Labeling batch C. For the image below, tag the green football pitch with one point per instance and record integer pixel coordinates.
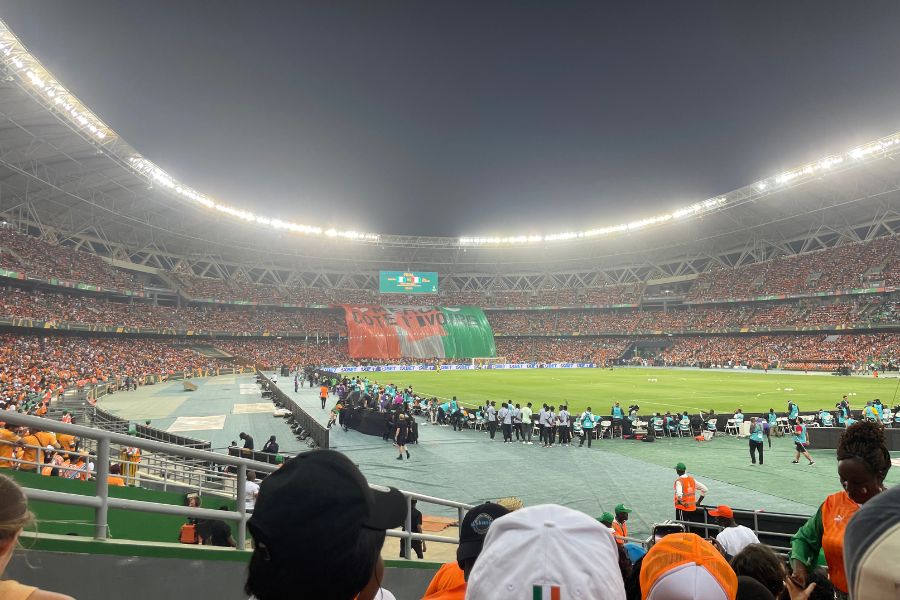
(655, 390)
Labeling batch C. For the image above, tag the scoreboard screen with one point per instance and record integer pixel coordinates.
(400, 282)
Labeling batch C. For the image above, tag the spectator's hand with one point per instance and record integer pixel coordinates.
(799, 575)
(798, 592)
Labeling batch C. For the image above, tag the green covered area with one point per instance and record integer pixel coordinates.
(655, 390)
(123, 525)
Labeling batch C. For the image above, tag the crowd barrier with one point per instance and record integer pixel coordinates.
(152, 433)
(773, 529)
(826, 438)
(458, 367)
(317, 431)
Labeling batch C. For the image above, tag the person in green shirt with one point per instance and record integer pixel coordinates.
(863, 464)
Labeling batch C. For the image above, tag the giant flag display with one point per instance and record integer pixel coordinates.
(386, 332)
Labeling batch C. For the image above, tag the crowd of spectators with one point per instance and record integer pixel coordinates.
(273, 353)
(41, 260)
(33, 366)
(546, 350)
(807, 352)
(694, 318)
(95, 310)
(867, 264)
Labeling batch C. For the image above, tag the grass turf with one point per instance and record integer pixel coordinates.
(655, 390)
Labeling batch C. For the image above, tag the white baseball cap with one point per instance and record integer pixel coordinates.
(549, 552)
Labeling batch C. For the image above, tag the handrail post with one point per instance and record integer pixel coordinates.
(102, 513)
(407, 539)
(242, 506)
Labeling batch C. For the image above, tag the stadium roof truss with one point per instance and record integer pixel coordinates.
(69, 179)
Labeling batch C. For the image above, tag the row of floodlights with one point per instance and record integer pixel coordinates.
(20, 61)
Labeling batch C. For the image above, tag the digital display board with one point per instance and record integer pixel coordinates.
(400, 282)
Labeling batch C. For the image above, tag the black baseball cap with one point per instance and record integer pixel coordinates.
(474, 527)
(322, 496)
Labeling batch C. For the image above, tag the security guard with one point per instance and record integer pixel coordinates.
(686, 489)
(619, 526)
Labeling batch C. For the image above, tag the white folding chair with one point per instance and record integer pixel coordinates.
(684, 428)
(731, 427)
(605, 427)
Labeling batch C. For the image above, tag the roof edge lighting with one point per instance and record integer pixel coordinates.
(32, 76)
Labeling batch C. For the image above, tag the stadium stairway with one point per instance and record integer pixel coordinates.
(212, 352)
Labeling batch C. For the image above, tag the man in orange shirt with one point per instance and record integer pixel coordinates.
(31, 454)
(66, 441)
(8, 440)
(114, 476)
(323, 394)
(47, 439)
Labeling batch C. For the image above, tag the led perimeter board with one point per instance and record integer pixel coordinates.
(400, 282)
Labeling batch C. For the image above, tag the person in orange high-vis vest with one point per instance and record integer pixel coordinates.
(863, 463)
(619, 525)
(686, 491)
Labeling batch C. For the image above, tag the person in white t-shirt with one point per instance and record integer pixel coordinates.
(733, 538)
(251, 491)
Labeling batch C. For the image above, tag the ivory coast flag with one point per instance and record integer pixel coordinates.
(388, 332)
(545, 592)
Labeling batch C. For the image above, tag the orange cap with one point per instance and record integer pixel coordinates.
(685, 549)
(722, 511)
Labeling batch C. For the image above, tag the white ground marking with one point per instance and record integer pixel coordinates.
(253, 407)
(197, 423)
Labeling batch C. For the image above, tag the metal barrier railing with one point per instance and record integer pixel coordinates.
(102, 502)
(199, 471)
(780, 541)
(317, 431)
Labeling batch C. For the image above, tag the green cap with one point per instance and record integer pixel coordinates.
(620, 508)
(606, 518)
(680, 467)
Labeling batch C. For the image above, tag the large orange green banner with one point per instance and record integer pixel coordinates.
(386, 332)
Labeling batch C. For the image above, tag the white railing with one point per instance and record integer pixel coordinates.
(101, 503)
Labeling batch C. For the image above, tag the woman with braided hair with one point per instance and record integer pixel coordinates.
(863, 463)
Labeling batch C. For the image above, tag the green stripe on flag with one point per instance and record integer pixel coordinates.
(469, 335)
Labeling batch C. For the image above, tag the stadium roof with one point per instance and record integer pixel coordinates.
(67, 175)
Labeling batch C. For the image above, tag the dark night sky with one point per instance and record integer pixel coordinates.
(456, 117)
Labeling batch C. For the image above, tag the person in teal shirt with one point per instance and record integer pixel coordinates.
(617, 412)
(800, 442)
(587, 425)
(793, 412)
(870, 413)
(757, 430)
